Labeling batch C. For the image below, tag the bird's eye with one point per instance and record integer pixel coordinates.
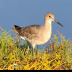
(49, 16)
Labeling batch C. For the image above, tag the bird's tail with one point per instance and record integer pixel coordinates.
(16, 28)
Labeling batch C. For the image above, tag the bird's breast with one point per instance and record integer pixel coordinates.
(47, 36)
(44, 37)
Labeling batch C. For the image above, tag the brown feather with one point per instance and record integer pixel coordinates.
(28, 31)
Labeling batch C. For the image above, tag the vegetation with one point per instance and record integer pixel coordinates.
(13, 56)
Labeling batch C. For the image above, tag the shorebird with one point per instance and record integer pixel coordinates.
(37, 34)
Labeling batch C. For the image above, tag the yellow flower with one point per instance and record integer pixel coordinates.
(1, 69)
(11, 67)
(58, 56)
(11, 56)
(26, 67)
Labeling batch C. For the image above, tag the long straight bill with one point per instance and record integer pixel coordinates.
(58, 22)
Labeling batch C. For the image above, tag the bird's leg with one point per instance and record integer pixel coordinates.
(34, 49)
(27, 50)
(33, 52)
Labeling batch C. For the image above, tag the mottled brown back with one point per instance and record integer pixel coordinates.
(28, 31)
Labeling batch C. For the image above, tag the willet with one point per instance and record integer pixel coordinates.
(37, 34)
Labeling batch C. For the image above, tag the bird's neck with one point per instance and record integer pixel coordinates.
(47, 23)
(47, 26)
